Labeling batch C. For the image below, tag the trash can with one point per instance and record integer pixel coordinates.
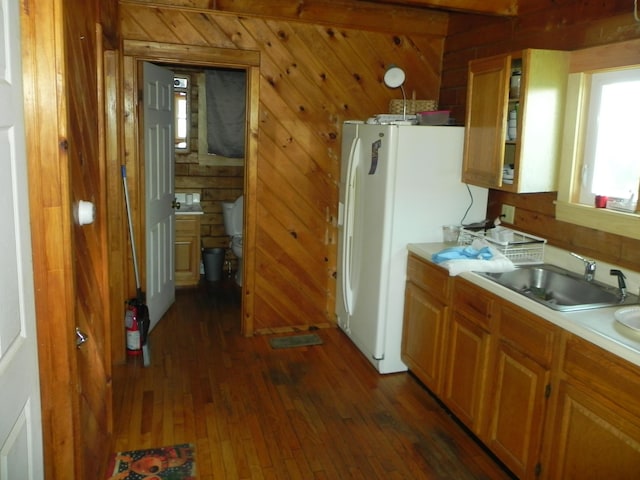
(213, 260)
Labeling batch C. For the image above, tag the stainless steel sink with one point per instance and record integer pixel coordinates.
(560, 289)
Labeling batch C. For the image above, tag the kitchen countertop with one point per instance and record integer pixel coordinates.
(193, 209)
(597, 326)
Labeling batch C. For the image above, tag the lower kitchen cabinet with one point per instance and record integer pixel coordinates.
(468, 353)
(520, 390)
(187, 250)
(425, 321)
(594, 438)
(466, 370)
(547, 403)
(517, 406)
(498, 375)
(596, 430)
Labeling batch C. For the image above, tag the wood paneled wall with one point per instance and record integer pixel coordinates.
(314, 74)
(568, 25)
(63, 48)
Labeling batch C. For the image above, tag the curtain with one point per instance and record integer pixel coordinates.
(226, 109)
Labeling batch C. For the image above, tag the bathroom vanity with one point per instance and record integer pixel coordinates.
(187, 245)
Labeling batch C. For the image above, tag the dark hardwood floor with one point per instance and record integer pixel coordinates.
(254, 412)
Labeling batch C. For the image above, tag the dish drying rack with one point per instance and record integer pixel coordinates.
(521, 248)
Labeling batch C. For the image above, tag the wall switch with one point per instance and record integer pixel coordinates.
(508, 214)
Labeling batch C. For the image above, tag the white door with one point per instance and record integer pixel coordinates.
(21, 454)
(159, 189)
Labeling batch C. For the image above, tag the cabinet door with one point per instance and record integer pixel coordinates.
(517, 405)
(467, 360)
(487, 99)
(593, 438)
(423, 336)
(185, 265)
(187, 251)
(540, 120)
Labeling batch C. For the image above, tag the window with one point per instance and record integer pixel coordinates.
(181, 85)
(611, 165)
(600, 152)
(222, 116)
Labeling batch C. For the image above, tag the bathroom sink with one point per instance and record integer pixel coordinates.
(193, 209)
(560, 289)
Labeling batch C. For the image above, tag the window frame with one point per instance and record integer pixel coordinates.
(204, 157)
(583, 64)
(599, 81)
(187, 92)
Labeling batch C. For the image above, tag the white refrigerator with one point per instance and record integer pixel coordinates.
(399, 184)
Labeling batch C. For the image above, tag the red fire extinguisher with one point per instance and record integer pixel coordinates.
(134, 343)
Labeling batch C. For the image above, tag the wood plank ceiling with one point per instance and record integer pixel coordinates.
(495, 7)
(314, 74)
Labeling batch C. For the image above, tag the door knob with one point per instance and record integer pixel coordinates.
(81, 337)
(175, 204)
(84, 212)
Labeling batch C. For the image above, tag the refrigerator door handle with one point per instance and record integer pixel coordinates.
(347, 231)
(340, 214)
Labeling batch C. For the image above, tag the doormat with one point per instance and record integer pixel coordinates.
(296, 341)
(176, 462)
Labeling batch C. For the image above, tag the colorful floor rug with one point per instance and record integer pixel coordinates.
(176, 462)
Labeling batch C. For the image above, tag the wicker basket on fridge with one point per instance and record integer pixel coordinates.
(413, 106)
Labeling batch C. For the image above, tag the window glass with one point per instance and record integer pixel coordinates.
(222, 116)
(181, 108)
(611, 165)
(226, 112)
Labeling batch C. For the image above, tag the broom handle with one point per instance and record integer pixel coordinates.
(133, 243)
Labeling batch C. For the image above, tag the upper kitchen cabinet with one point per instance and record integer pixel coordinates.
(515, 108)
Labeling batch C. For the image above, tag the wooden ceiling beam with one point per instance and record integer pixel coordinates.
(507, 8)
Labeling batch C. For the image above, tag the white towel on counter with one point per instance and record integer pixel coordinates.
(498, 263)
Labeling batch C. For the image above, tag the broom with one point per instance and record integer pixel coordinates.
(139, 300)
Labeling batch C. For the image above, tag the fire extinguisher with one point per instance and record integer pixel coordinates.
(134, 344)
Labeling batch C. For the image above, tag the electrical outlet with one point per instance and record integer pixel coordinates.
(508, 214)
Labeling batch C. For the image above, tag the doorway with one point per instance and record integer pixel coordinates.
(196, 57)
(210, 163)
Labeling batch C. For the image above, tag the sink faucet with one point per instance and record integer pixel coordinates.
(589, 267)
(621, 283)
